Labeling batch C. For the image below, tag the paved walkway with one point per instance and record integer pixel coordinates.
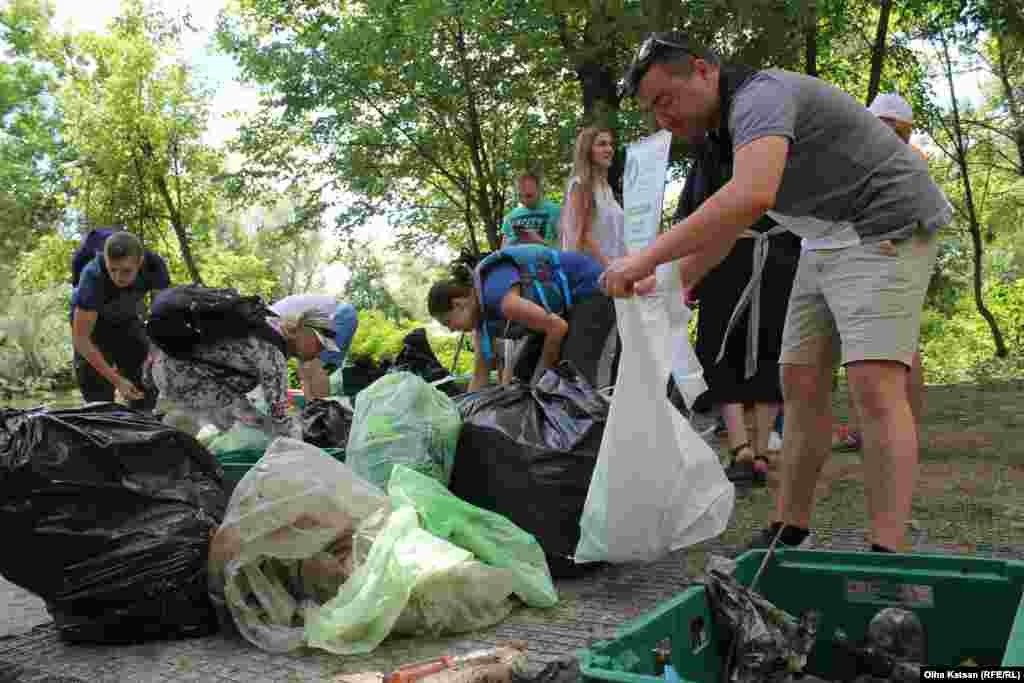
(590, 609)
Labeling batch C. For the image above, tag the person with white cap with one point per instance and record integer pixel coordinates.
(898, 114)
(214, 382)
(337, 328)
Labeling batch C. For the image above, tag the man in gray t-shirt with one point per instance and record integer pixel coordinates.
(820, 164)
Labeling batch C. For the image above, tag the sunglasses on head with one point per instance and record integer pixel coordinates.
(642, 62)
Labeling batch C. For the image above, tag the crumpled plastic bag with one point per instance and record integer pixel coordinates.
(419, 571)
(411, 583)
(311, 554)
(401, 419)
(894, 649)
(326, 423)
(527, 452)
(107, 515)
(773, 644)
(285, 542)
(241, 437)
(492, 538)
(657, 485)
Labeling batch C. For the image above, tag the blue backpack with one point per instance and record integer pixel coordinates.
(542, 281)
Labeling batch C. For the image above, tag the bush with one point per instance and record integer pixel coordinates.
(378, 338)
(35, 341)
(959, 347)
(445, 346)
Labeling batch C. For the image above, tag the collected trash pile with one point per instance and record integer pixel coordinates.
(411, 513)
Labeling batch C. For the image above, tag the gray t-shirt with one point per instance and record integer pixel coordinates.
(847, 174)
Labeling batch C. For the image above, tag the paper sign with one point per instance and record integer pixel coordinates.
(644, 188)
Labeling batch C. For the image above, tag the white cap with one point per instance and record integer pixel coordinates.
(892, 106)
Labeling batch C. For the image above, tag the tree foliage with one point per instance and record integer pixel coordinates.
(32, 149)
(423, 111)
(137, 119)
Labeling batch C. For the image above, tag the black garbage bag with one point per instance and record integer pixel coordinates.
(326, 423)
(107, 515)
(528, 453)
(894, 649)
(418, 358)
(773, 645)
(362, 373)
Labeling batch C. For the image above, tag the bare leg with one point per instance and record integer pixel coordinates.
(890, 446)
(805, 443)
(915, 390)
(737, 426)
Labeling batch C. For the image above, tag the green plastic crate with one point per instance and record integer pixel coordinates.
(237, 463)
(970, 607)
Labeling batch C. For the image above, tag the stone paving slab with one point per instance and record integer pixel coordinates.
(591, 609)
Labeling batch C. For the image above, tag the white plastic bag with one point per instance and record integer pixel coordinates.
(657, 486)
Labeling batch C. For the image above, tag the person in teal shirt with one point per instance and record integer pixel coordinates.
(536, 221)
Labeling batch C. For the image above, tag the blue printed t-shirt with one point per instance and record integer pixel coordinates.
(116, 305)
(542, 220)
(581, 270)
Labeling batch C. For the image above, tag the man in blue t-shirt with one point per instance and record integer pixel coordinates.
(106, 323)
(536, 221)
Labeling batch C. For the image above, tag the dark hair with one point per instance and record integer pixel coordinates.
(122, 245)
(439, 300)
(672, 48)
(458, 285)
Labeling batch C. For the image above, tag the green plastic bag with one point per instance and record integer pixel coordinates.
(490, 537)
(337, 382)
(409, 583)
(401, 419)
(241, 437)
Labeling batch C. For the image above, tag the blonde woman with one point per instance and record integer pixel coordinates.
(212, 385)
(592, 219)
(592, 224)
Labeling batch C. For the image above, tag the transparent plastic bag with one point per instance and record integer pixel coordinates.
(291, 516)
(401, 419)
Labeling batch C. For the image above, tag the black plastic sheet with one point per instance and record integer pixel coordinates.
(894, 649)
(326, 423)
(418, 358)
(528, 453)
(773, 645)
(109, 514)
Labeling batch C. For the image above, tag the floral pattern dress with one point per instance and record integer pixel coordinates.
(214, 383)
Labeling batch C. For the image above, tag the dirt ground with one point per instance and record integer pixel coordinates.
(972, 470)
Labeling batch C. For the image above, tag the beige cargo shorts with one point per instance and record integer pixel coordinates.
(862, 302)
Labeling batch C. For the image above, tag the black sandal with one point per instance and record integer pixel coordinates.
(743, 472)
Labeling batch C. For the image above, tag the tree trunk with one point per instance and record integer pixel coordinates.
(478, 155)
(811, 43)
(1014, 105)
(878, 50)
(591, 60)
(179, 230)
(972, 216)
